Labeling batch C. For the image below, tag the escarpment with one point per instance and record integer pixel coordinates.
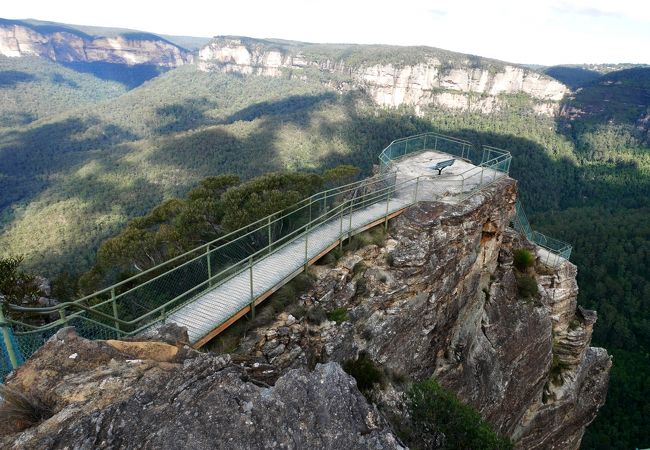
(439, 297)
(68, 45)
(433, 78)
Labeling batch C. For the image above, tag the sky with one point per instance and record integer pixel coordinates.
(545, 32)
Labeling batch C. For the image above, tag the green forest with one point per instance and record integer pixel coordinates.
(77, 168)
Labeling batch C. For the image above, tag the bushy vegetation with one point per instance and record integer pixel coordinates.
(523, 259)
(219, 205)
(527, 286)
(338, 315)
(19, 411)
(364, 370)
(435, 410)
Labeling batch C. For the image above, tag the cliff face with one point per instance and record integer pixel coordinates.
(439, 298)
(20, 40)
(433, 81)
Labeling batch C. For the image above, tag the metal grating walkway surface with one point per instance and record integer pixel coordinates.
(214, 307)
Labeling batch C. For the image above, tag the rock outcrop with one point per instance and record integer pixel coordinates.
(462, 84)
(19, 39)
(440, 298)
(150, 394)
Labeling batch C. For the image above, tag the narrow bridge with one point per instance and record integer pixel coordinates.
(210, 287)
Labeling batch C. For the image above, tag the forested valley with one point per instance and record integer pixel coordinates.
(88, 164)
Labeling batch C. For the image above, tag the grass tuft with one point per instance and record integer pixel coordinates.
(23, 410)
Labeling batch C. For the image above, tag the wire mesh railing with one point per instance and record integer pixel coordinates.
(139, 302)
(553, 251)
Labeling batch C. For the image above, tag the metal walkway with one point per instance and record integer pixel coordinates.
(214, 307)
(209, 287)
(414, 182)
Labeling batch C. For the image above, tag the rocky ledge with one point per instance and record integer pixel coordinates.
(164, 395)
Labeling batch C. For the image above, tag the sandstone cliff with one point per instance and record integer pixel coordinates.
(425, 77)
(439, 298)
(68, 45)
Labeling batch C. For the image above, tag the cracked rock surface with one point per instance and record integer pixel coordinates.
(142, 395)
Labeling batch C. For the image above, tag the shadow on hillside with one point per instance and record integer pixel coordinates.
(10, 78)
(289, 105)
(188, 115)
(60, 80)
(245, 150)
(30, 159)
(574, 77)
(129, 76)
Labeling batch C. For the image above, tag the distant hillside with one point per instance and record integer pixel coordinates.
(80, 44)
(577, 75)
(616, 104)
(392, 75)
(33, 88)
(191, 43)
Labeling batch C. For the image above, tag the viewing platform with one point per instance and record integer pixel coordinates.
(210, 287)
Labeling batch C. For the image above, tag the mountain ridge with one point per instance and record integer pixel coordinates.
(66, 43)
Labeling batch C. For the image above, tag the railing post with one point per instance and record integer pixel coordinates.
(480, 183)
(424, 145)
(435, 143)
(250, 269)
(306, 246)
(417, 185)
(114, 303)
(268, 225)
(341, 229)
(386, 215)
(9, 345)
(207, 255)
(350, 221)
(62, 316)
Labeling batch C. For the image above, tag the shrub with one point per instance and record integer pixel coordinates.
(435, 410)
(364, 370)
(359, 268)
(21, 410)
(557, 367)
(339, 315)
(316, 315)
(527, 286)
(374, 236)
(523, 259)
(330, 257)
